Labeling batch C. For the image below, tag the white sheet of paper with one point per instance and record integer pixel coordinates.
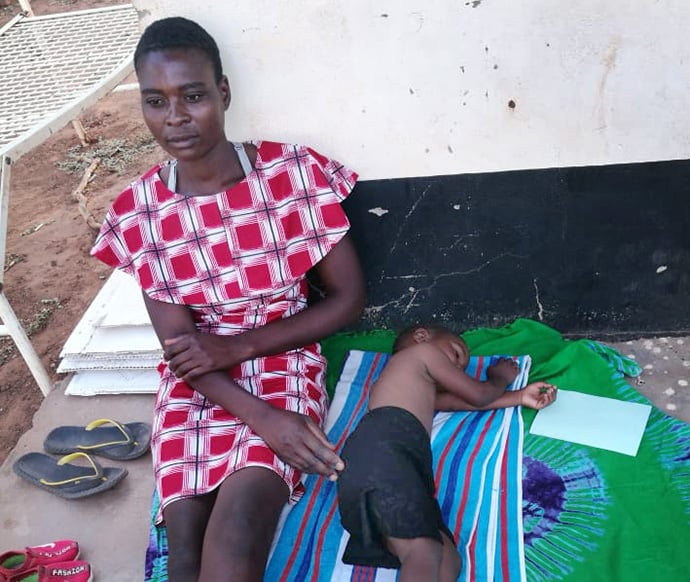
(596, 421)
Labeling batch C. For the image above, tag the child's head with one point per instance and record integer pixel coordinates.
(178, 33)
(449, 342)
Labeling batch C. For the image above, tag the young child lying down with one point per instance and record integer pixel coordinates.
(386, 492)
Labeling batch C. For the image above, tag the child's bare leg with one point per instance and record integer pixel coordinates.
(242, 525)
(420, 558)
(186, 521)
(451, 562)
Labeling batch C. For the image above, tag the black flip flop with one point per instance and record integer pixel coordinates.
(64, 479)
(120, 442)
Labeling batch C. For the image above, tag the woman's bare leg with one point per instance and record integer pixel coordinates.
(186, 521)
(242, 525)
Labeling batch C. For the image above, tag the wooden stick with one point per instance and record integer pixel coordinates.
(79, 196)
(81, 132)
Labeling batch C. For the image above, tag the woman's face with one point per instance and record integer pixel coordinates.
(183, 105)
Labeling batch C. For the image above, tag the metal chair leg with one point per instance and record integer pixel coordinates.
(12, 328)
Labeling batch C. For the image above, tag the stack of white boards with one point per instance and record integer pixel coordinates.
(113, 349)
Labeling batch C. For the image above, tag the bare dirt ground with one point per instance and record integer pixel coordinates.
(50, 279)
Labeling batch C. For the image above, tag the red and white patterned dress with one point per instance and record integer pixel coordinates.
(238, 260)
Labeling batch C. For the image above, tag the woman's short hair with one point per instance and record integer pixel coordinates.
(177, 32)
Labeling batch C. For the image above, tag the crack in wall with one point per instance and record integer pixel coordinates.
(476, 269)
(403, 225)
(407, 300)
(540, 307)
(459, 240)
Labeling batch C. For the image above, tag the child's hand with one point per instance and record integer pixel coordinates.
(504, 371)
(538, 395)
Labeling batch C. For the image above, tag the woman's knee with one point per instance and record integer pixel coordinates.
(248, 506)
(242, 525)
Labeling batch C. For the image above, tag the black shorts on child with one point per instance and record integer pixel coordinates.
(387, 487)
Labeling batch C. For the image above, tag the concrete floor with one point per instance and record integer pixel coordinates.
(112, 527)
(665, 377)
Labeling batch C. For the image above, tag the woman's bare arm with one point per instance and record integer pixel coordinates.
(457, 382)
(341, 276)
(295, 438)
(191, 354)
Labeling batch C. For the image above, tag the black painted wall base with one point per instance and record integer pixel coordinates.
(600, 251)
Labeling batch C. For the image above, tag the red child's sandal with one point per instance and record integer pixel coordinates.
(16, 562)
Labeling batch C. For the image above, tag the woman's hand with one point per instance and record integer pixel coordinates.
(190, 355)
(537, 395)
(299, 442)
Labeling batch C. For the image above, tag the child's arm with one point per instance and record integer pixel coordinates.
(456, 382)
(536, 395)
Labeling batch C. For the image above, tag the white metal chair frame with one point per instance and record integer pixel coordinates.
(52, 68)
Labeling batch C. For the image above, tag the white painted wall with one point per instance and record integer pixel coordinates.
(409, 88)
